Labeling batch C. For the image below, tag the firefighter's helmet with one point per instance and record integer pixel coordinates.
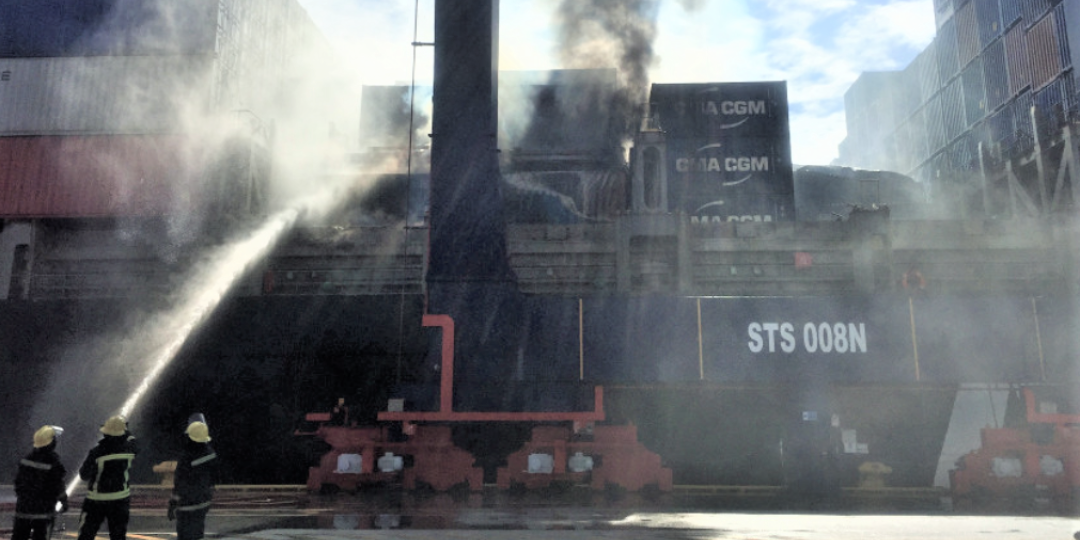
(115, 426)
(198, 432)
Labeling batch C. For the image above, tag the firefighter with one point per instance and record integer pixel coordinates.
(105, 471)
(196, 473)
(39, 486)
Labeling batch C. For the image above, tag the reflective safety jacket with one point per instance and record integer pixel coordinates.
(196, 474)
(106, 468)
(39, 484)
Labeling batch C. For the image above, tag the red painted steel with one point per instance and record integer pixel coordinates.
(619, 458)
(95, 175)
(436, 461)
(976, 475)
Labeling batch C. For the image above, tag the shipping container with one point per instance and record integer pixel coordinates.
(876, 96)
(94, 176)
(1033, 10)
(1025, 133)
(720, 110)
(952, 110)
(1072, 95)
(935, 124)
(1002, 126)
(110, 176)
(1070, 17)
(43, 28)
(943, 11)
(1051, 105)
(102, 94)
(1044, 52)
(1061, 31)
(988, 15)
(1011, 11)
(909, 96)
(947, 51)
(995, 75)
(967, 34)
(974, 92)
(927, 72)
(730, 178)
(1017, 59)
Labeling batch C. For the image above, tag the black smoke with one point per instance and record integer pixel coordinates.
(604, 34)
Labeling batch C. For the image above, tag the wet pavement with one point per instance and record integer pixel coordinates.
(289, 512)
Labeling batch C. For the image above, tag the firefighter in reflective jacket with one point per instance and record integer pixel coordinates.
(105, 471)
(39, 486)
(196, 472)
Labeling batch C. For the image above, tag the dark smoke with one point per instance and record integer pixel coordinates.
(603, 34)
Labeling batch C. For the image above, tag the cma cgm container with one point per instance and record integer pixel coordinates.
(728, 150)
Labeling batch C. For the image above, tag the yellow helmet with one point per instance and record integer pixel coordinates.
(115, 425)
(45, 436)
(198, 432)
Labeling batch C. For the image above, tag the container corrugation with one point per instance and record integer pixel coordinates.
(1001, 126)
(757, 109)
(974, 92)
(1011, 12)
(919, 141)
(1072, 94)
(1021, 107)
(1062, 32)
(1050, 106)
(1043, 50)
(935, 124)
(927, 71)
(1016, 56)
(988, 15)
(962, 154)
(101, 94)
(952, 110)
(943, 11)
(1032, 10)
(94, 176)
(995, 75)
(967, 34)
(947, 54)
(909, 95)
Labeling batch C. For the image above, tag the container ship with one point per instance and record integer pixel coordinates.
(530, 287)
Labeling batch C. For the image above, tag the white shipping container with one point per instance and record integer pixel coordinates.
(102, 94)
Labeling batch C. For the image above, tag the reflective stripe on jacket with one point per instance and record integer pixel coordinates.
(106, 468)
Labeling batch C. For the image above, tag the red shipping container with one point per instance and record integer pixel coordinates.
(98, 175)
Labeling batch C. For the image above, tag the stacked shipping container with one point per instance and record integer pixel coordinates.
(139, 88)
(994, 60)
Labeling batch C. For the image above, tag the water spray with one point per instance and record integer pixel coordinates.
(205, 287)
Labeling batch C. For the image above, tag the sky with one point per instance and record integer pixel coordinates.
(818, 46)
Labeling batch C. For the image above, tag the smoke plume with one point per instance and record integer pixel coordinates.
(603, 34)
